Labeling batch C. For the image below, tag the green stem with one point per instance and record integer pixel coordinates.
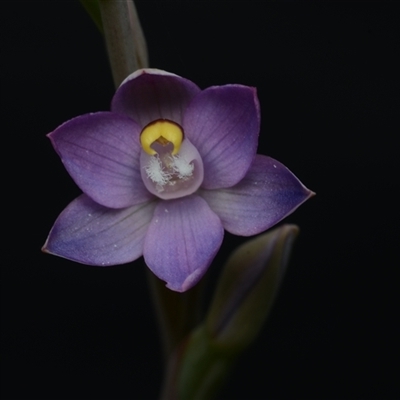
(177, 313)
(124, 38)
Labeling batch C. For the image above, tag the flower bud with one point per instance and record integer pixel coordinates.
(247, 288)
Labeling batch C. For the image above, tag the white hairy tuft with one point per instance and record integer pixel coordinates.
(182, 167)
(156, 172)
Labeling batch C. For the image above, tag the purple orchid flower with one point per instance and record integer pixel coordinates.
(164, 173)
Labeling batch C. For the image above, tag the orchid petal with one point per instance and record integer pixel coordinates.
(101, 152)
(267, 194)
(150, 94)
(182, 240)
(89, 233)
(223, 123)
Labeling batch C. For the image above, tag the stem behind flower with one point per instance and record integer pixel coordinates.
(125, 42)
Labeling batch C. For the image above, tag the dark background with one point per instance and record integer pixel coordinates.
(328, 77)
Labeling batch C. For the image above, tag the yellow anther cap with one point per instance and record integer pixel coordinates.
(164, 132)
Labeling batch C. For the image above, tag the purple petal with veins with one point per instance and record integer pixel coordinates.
(182, 240)
(268, 193)
(89, 233)
(101, 153)
(223, 123)
(151, 94)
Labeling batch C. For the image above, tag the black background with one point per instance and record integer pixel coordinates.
(327, 77)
